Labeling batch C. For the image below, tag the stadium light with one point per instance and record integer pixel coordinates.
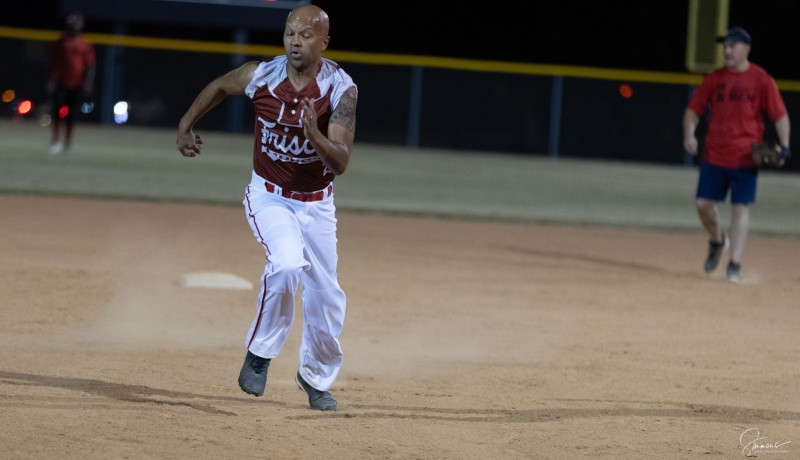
(121, 112)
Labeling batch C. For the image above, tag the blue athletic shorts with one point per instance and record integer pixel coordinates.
(715, 181)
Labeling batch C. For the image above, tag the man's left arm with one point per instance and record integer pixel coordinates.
(783, 130)
(335, 149)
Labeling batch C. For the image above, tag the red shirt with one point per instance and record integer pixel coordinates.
(70, 57)
(737, 103)
(281, 152)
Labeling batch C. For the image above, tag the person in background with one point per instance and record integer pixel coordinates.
(71, 80)
(737, 97)
(304, 128)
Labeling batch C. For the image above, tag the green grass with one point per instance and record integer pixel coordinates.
(128, 162)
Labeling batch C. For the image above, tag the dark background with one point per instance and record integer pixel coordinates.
(626, 34)
(429, 106)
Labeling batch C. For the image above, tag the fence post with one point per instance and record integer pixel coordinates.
(414, 106)
(236, 104)
(113, 77)
(556, 102)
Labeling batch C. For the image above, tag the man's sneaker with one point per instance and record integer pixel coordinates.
(319, 400)
(734, 272)
(55, 148)
(253, 376)
(715, 252)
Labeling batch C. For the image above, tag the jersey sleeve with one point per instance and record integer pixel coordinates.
(269, 73)
(701, 97)
(775, 107)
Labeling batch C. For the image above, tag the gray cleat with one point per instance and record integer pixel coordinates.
(253, 376)
(715, 252)
(734, 272)
(319, 400)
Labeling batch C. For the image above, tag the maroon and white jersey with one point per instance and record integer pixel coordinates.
(281, 153)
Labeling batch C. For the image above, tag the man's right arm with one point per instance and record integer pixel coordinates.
(232, 83)
(690, 122)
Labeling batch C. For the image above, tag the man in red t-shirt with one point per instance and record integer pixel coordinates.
(72, 70)
(736, 97)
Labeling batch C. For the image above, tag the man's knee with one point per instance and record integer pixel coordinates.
(740, 210)
(704, 205)
(286, 271)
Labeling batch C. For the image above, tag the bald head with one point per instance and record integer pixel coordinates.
(305, 38)
(310, 15)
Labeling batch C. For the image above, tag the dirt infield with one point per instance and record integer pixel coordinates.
(464, 339)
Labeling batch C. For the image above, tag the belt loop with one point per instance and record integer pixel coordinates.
(273, 188)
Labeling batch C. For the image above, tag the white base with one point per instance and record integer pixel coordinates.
(215, 280)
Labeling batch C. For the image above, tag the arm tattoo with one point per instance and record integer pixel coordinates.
(345, 113)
